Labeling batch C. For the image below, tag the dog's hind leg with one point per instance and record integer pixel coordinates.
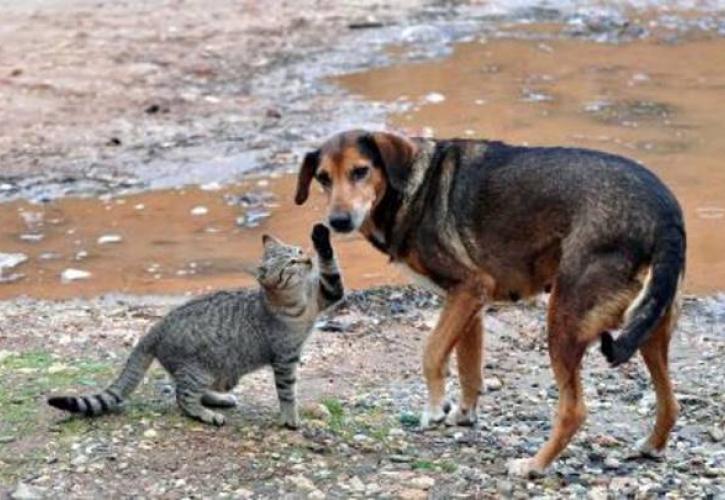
(582, 305)
(565, 353)
(462, 304)
(468, 355)
(655, 354)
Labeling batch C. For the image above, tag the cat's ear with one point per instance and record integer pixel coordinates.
(270, 241)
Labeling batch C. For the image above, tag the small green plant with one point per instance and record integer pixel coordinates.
(337, 413)
(423, 465)
(448, 466)
(409, 420)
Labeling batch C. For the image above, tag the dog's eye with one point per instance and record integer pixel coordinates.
(324, 179)
(359, 173)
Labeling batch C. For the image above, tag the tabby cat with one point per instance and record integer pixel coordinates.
(209, 343)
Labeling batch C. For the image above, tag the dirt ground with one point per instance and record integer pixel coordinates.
(361, 391)
(103, 101)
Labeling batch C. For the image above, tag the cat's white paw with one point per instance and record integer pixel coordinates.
(212, 418)
(289, 418)
(461, 417)
(524, 467)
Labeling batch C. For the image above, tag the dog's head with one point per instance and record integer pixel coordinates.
(355, 169)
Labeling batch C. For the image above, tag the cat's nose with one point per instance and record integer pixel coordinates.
(341, 222)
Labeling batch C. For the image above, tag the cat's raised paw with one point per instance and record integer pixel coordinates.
(321, 240)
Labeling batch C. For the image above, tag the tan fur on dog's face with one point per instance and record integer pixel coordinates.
(353, 186)
(354, 168)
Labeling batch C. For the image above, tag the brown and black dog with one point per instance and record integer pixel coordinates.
(485, 221)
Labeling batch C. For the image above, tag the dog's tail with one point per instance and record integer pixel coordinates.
(657, 295)
(111, 398)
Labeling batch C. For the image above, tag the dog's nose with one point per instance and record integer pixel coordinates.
(341, 222)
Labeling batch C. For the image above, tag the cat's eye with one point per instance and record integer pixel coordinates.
(324, 179)
(359, 173)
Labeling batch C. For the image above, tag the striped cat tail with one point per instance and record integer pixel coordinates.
(111, 398)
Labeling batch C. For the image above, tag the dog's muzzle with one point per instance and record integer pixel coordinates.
(341, 222)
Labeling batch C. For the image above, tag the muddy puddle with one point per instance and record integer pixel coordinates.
(660, 103)
(163, 242)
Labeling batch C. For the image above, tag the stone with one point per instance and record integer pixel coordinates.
(58, 368)
(302, 483)
(716, 434)
(356, 484)
(25, 491)
(598, 493)
(150, 433)
(493, 384)
(107, 239)
(10, 260)
(199, 210)
(318, 411)
(70, 275)
(435, 98)
(412, 494)
(612, 463)
(422, 482)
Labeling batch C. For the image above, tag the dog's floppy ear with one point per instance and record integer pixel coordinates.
(393, 153)
(304, 178)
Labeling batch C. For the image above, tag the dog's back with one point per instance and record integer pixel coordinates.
(580, 208)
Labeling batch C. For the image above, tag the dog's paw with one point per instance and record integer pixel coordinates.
(646, 450)
(432, 417)
(461, 417)
(524, 467)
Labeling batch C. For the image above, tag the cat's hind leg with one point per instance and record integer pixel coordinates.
(191, 386)
(214, 399)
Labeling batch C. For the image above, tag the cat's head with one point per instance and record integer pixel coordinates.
(284, 267)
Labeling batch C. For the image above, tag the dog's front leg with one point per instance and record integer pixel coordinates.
(469, 354)
(463, 303)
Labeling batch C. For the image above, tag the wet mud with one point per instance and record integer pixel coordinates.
(646, 84)
(168, 241)
(657, 102)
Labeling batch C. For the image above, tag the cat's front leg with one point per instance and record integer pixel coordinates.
(285, 378)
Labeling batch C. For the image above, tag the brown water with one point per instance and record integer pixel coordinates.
(164, 248)
(661, 104)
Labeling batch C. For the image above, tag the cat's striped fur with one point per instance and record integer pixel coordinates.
(209, 343)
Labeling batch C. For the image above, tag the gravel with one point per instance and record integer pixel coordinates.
(360, 391)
